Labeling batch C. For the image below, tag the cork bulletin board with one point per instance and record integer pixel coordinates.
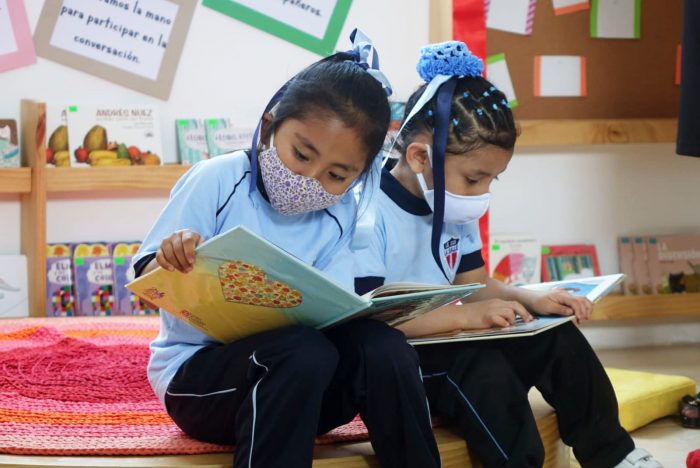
(626, 78)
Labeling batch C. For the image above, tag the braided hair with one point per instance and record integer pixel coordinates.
(479, 116)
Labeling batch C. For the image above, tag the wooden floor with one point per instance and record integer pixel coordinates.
(453, 451)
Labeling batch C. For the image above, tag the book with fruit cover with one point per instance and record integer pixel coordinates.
(57, 143)
(109, 136)
(9, 146)
(592, 288)
(242, 284)
(515, 259)
(674, 263)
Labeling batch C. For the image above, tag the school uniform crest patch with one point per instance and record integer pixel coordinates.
(451, 252)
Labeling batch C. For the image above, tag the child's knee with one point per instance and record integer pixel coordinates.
(310, 354)
(570, 338)
(485, 367)
(386, 349)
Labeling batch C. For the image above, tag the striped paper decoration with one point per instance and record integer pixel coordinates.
(516, 16)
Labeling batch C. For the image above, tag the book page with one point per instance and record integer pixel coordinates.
(400, 288)
(519, 329)
(398, 309)
(594, 288)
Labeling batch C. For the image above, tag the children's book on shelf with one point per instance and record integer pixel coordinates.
(93, 279)
(224, 137)
(57, 144)
(125, 301)
(625, 253)
(118, 135)
(565, 262)
(242, 284)
(14, 298)
(674, 263)
(593, 288)
(60, 299)
(641, 266)
(191, 141)
(515, 259)
(9, 143)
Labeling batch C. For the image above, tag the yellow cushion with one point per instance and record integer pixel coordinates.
(644, 397)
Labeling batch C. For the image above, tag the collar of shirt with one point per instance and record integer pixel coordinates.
(402, 197)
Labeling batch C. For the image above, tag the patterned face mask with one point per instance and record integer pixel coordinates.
(290, 193)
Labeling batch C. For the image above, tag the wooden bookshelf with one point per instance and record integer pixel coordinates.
(35, 181)
(107, 178)
(33, 203)
(16, 180)
(619, 307)
(596, 131)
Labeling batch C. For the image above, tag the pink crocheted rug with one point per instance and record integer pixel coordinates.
(78, 386)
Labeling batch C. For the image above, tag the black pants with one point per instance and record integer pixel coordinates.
(482, 387)
(271, 394)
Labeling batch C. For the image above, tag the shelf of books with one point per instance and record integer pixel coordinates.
(596, 131)
(15, 180)
(36, 181)
(106, 178)
(619, 307)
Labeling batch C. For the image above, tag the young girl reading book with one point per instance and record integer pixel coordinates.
(270, 394)
(457, 137)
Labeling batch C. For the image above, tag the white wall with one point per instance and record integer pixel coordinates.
(592, 194)
(563, 194)
(227, 69)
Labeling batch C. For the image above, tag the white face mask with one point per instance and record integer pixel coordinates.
(459, 209)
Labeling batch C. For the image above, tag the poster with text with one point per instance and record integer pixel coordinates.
(135, 43)
(16, 46)
(312, 24)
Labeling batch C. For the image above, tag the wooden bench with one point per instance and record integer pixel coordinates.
(453, 450)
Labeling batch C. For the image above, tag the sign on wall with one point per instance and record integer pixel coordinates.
(16, 46)
(135, 43)
(312, 24)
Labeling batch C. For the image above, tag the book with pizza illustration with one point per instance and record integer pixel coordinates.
(242, 284)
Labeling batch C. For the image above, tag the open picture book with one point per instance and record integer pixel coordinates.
(594, 289)
(242, 284)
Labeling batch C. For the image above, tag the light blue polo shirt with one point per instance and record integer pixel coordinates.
(399, 249)
(213, 197)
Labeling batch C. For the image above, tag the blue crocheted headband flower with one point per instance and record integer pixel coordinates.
(452, 58)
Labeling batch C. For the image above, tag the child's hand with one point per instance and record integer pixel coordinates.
(494, 313)
(176, 252)
(563, 303)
